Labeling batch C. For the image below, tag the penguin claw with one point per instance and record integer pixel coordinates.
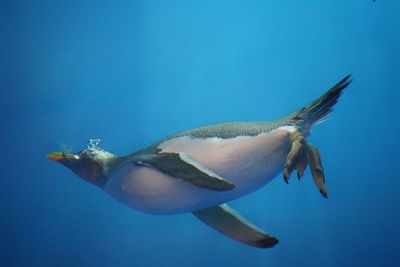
(286, 175)
(302, 155)
(299, 175)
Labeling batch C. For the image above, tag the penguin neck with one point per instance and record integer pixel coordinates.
(102, 164)
(97, 169)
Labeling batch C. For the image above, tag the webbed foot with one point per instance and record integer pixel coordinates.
(302, 155)
(317, 170)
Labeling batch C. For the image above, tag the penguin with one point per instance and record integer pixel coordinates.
(201, 169)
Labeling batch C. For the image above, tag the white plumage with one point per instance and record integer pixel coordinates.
(249, 162)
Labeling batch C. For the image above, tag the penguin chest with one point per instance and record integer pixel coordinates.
(249, 162)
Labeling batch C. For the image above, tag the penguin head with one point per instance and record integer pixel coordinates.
(91, 164)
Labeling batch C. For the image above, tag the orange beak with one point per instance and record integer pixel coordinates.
(57, 156)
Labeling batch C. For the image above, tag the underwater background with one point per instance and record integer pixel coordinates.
(131, 72)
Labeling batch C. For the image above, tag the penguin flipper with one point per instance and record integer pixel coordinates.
(181, 166)
(228, 222)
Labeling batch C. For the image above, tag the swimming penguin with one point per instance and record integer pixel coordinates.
(199, 170)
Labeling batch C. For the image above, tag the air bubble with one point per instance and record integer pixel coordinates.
(94, 144)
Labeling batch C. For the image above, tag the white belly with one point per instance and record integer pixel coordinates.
(247, 162)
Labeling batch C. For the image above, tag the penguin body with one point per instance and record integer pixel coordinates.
(247, 162)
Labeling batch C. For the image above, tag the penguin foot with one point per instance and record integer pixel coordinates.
(297, 157)
(317, 170)
(301, 155)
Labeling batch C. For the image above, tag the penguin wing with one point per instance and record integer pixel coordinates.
(228, 222)
(181, 166)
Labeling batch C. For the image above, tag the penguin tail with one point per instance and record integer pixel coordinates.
(317, 110)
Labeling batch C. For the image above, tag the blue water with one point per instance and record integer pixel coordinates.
(134, 71)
